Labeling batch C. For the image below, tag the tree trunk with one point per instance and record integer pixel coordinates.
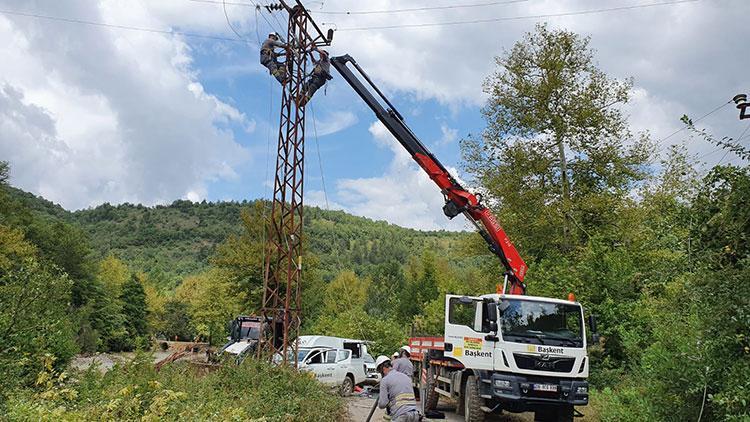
(565, 194)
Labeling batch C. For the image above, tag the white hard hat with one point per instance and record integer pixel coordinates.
(381, 360)
(406, 349)
(395, 355)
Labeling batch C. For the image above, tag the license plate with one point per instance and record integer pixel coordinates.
(545, 387)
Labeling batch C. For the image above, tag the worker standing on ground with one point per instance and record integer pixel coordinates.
(269, 56)
(320, 75)
(396, 393)
(403, 364)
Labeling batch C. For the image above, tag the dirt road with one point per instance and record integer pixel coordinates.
(359, 408)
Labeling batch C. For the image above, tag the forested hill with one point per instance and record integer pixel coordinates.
(172, 241)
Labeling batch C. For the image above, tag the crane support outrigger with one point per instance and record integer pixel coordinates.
(457, 199)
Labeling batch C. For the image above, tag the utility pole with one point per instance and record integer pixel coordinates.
(282, 278)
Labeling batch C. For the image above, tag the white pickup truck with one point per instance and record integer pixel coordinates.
(333, 367)
(335, 361)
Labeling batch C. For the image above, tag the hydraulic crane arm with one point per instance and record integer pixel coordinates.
(457, 199)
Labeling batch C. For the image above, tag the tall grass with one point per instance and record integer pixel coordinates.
(135, 391)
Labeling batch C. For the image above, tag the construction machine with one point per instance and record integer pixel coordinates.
(244, 335)
(501, 351)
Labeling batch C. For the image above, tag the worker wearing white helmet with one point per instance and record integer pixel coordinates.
(396, 393)
(403, 363)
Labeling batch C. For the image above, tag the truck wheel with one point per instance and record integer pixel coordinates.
(347, 387)
(429, 395)
(472, 402)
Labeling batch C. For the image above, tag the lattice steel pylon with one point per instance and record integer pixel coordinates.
(282, 280)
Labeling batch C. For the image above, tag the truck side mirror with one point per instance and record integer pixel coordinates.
(330, 34)
(492, 316)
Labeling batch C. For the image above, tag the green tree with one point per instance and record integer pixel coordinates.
(135, 310)
(346, 292)
(383, 293)
(241, 256)
(177, 323)
(113, 274)
(34, 322)
(212, 302)
(557, 155)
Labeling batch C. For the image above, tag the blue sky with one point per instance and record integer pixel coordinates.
(92, 114)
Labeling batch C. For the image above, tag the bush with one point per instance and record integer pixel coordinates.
(135, 391)
(33, 323)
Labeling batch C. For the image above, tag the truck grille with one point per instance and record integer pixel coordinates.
(540, 363)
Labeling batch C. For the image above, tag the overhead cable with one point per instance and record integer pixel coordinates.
(660, 141)
(229, 23)
(415, 9)
(380, 12)
(728, 149)
(512, 18)
(115, 26)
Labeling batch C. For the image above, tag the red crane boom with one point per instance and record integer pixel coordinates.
(457, 199)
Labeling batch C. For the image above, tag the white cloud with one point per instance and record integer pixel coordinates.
(449, 135)
(404, 195)
(334, 121)
(317, 198)
(92, 114)
(684, 57)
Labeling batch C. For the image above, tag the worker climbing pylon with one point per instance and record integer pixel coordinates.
(269, 56)
(320, 75)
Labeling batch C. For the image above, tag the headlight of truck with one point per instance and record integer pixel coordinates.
(504, 384)
(582, 390)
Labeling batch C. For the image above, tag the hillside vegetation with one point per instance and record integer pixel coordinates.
(169, 242)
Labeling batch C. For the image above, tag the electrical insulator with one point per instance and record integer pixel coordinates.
(274, 6)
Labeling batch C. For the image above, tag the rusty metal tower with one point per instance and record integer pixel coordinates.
(282, 280)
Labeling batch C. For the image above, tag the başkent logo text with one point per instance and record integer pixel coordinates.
(550, 350)
(477, 354)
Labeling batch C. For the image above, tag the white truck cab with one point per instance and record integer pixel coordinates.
(533, 335)
(508, 352)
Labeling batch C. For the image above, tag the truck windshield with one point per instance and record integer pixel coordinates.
(526, 321)
(250, 329)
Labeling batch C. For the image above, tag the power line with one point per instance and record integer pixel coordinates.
(320, 162)
(694, 121)
(377, 12)
(253, 4)
(115, 26)
(739, 137)
(416, 9)
(224, 6)
(512, 18)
